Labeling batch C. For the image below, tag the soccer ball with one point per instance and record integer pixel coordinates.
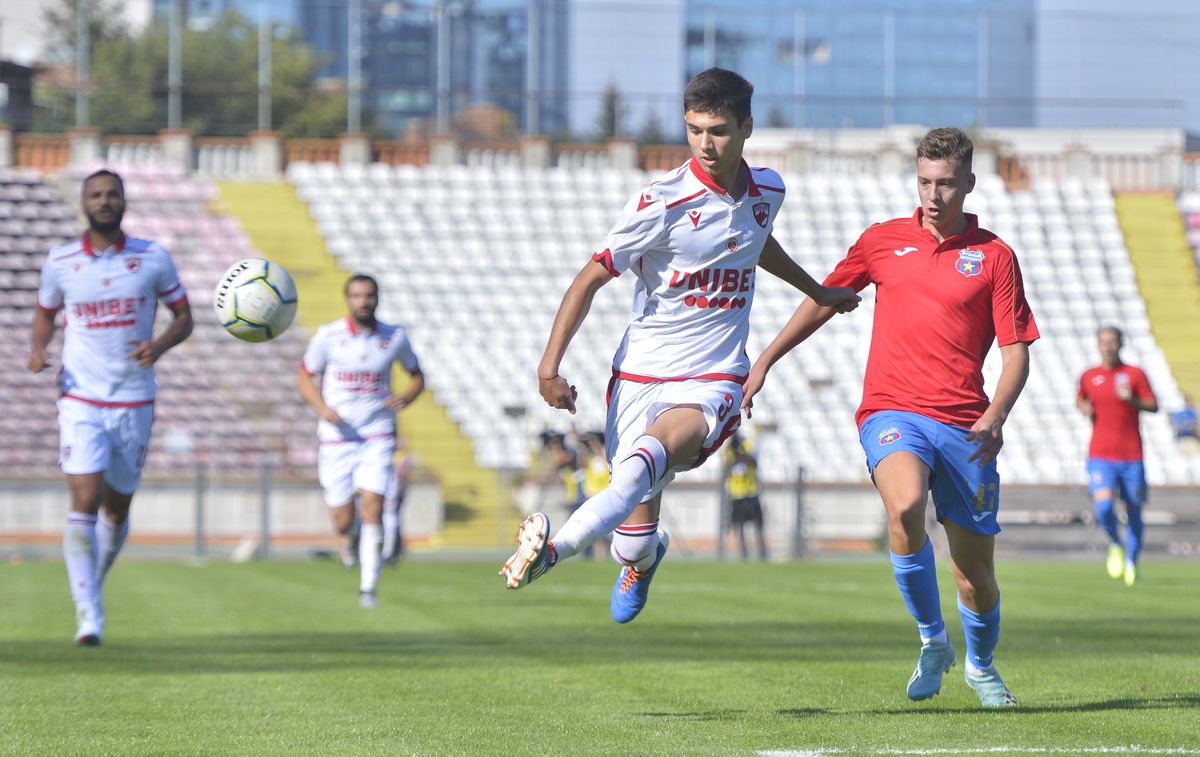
(255, 300)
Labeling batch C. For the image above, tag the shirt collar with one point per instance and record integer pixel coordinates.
(87, 245)
(355, 330)
(698, 171)
(972, 225)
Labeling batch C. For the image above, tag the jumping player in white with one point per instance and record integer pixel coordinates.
(357, 430)
(693, 241)
(109, 284)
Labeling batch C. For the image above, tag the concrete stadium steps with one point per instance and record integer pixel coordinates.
(279, 224)
(1167, 278)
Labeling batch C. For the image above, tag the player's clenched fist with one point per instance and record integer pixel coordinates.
(38, 361)
(558, 393)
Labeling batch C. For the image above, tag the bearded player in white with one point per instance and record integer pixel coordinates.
(693, 242)
(357, 431)
(109, 284)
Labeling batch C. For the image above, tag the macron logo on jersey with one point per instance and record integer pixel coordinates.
(694, 216)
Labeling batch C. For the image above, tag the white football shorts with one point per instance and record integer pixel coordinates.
(346, 467)
(112, 440)
(633, 407)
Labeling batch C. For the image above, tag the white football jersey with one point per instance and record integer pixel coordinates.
(110, 298)
(356, 376)
(693, 251)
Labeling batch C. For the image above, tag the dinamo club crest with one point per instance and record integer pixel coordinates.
(133, 264)
(762, 212)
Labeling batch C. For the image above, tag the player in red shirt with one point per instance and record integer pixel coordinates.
(945, 289)
(1112, 394)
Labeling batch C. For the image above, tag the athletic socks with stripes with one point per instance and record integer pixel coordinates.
(632, 479)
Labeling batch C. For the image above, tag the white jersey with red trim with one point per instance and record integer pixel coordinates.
(355, 366)
(110, 298)
(693, 251)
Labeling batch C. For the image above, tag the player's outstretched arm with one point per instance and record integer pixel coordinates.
(307, 388)
(39, 340)
(775, 261)
(987, 433)
(574, 308)
(146, 353)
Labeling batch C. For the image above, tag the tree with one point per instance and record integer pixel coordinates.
(652, 130)
(59, 19)
(612, 113)
(220, 82)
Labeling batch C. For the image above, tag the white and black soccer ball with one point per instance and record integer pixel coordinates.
(255, 300)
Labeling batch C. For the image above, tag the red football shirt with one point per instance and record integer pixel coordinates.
(938, 308)
(1115, 434)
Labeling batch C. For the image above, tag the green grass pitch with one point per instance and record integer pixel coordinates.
(735, 659)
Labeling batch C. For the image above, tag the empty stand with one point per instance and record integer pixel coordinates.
(474, 260)
(221, 402)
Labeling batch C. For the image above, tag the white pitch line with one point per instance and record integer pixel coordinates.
(821, 752)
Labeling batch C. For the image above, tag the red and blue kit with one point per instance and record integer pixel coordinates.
(938, 308)
(1115, 433)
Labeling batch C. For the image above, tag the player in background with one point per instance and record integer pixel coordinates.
(357, 429)
(945, 290)
(692, 242)
(743, 491)
(109, 284)
(1113, 395)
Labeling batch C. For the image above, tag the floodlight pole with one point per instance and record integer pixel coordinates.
(264, 66)
(83, 114)
(533, 72)
(354, 69)
(443, 67)
(174, 66)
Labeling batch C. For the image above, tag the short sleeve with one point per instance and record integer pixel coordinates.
(1082, 392)
(406, 356)
(641, 227)
(1011, 316)
(1141, 387)
(167, 285)
(50, 294)
(852, 271)
(315, 355)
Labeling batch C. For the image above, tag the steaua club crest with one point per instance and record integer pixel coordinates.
(889, 435)
(762, 212)
(133, 264)
(970, 263)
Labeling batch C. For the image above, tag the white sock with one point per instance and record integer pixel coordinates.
(79, 553)
(941, 638)
(109, 540)
(370, 535)
(636, 545)
(391, 531)
(632, 479)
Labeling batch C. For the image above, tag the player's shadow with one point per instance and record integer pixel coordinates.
(1181, 702)
(778, 643)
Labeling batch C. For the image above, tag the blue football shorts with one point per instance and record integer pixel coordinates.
(963, 492)
(1126, 477)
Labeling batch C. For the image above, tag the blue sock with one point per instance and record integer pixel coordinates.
(1108, 519)
(916, 575)
(982, 630)
(1133, 533)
